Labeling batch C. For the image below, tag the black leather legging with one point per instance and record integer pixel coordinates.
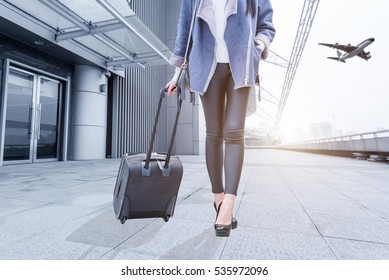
(225, 114)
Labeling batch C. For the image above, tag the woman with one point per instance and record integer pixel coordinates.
(229, 37)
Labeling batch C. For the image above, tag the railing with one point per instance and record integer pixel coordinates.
(375, 142)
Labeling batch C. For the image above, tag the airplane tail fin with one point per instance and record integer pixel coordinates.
(338, 53)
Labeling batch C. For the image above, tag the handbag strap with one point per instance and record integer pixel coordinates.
(184, 65)
(183, 75)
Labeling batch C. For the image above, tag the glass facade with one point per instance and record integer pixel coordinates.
(32, 117)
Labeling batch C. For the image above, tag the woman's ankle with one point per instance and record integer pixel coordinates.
(218, 198)
(225, 214)
(229, 199)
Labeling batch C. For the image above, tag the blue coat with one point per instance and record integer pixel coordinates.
(241, 32)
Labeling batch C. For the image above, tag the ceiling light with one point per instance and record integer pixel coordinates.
(39, 42)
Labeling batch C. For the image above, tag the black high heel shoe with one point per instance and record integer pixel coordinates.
(222, 230)
(234, 222)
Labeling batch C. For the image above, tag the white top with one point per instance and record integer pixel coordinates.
(220, 22)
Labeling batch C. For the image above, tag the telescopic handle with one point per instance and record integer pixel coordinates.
(170, 147)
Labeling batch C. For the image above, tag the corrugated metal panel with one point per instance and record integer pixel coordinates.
(137, 94)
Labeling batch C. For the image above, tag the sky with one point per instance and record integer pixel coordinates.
(353, 96)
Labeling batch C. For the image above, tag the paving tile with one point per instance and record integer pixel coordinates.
(12, 206)
(176, 239)
(20, 226)
(271, 218)
(368, 195)
(337, 206)
(363, 228)
(198, 206)
(44, 247)
(104, 230)
(256, 244)
(284, 200)
(357, 250)
(41, 194)
(379, 207)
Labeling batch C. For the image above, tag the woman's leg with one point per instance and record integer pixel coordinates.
(213, 102)
(234, 124)
(234, 127)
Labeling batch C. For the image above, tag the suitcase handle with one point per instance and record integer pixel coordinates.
(170, 147)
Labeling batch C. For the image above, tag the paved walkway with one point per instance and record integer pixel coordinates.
(290, 206)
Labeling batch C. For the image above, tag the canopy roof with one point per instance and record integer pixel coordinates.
(106, 33)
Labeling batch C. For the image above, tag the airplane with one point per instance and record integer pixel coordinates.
(350, 51)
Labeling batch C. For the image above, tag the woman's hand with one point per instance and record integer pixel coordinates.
(171, 87)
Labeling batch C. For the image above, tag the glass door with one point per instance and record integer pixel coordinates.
(32, 117)
(48, 119)
(19, 118)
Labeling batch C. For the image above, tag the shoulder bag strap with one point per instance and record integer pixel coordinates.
(184, 65)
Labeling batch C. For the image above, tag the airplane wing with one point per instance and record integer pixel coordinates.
(346, 48)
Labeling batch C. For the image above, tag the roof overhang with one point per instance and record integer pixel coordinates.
(105, 33)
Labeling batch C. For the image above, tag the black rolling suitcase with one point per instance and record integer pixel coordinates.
(147, 183)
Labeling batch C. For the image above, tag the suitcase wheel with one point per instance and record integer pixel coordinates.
(166, 219)
(123, 220)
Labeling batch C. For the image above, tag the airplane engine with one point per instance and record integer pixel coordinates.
(367, 53)
(368, 56)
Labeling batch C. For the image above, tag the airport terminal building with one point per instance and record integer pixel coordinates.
(80, 80)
